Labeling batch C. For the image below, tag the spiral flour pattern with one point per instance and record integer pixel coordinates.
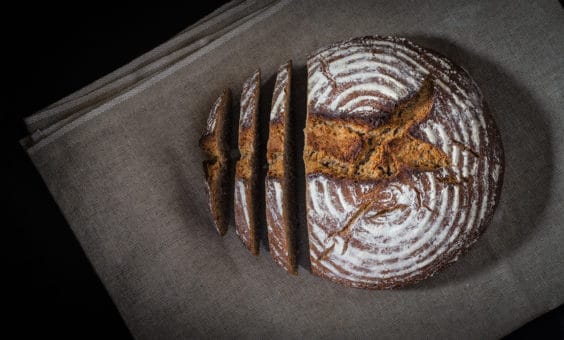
(391, 232)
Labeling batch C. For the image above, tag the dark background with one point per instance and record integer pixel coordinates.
(51, 52)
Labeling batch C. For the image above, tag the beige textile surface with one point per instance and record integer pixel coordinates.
(120, 157)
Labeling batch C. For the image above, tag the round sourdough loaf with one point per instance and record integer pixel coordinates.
(404, 164)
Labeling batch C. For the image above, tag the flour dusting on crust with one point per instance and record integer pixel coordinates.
(383, 235)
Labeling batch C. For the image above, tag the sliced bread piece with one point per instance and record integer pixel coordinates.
(248, 167)
(280, 199)
(218, 167)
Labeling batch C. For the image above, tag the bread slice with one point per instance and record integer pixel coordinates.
(248, 167)
(279, 182)
(218, 167)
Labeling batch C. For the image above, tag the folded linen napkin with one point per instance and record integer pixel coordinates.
(120, 158)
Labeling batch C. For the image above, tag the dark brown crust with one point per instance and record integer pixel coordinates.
(218, 167)
(444, 260)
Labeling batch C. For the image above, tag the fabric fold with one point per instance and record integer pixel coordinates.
(106, 88)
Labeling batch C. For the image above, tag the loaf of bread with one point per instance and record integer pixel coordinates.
(218, 167)
(404, 164)
(279, 183)
(248, 167)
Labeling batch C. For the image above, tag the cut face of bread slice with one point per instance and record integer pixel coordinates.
(247, 169)
(279, 184)
(218, 168)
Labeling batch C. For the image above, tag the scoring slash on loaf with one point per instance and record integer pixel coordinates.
(218, 167)
(279, 182)
(411, 171)
(247, 168)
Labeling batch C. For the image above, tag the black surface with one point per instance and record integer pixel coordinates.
(53, 51)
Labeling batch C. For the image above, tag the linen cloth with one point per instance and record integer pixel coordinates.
(121, 160)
